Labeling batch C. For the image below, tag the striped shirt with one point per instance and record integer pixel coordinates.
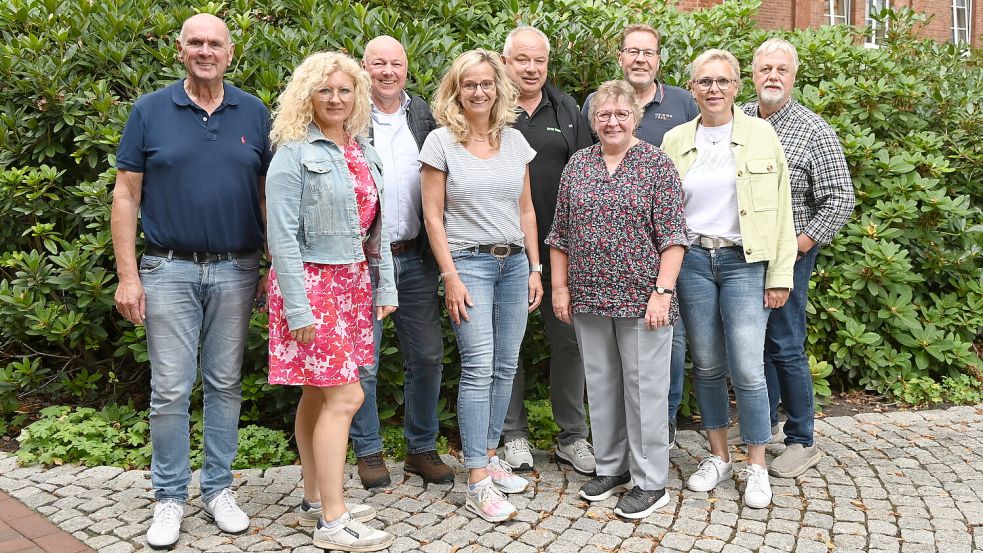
(822, 190)
(481, 196)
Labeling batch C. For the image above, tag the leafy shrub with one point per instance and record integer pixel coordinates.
(897, 300)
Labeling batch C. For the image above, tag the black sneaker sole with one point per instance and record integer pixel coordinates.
(524, 467)
(565, 461)
(408, 470)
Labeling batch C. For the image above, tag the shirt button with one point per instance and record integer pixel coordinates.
(204, 119)
(740, 173)
(770, 168)
(748, 251)
(743, 212)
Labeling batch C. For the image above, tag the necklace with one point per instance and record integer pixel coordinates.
(476, 139)
(722, 133)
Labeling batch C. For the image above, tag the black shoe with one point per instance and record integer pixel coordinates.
(602, 487)
(672, 435)
(639, 503)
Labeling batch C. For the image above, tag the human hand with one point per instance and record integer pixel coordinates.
(303, 335)
(657, 310)
(131, 302)
(383, 311)
(561, 305)
(457, 298)
(776, 297)
(535, 290)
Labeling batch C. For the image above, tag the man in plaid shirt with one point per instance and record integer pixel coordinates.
(822, 201)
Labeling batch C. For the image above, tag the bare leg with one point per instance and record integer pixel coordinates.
(718, 444)
(338, 405)
(307, 412)
(756, 455)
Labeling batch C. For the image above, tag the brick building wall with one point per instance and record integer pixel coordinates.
(798, 14)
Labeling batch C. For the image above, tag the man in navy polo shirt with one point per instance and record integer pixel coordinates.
(193, 160)
(664, 107)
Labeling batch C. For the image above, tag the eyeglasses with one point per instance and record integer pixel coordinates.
(706, 84)
(605, 116)
(342, 93)
(471, 86)
(633, 52)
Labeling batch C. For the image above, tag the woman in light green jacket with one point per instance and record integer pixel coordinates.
(738, 209)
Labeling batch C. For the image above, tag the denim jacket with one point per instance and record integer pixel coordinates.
(764, 196)
(312, 216)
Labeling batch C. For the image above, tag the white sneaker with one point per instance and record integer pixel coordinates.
(226, 513)
(712, 471)
(308, 516)
(351, 535)
(757, 492)
(579, 455)
(489, 503)
(518, 455)
(166, 528)
(502, 477)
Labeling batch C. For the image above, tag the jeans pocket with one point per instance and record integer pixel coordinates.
(247, 263)
(466, 253)
(151, 264)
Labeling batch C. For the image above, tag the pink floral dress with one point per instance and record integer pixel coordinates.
(341, 299)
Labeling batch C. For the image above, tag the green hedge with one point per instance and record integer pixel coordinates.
(896, 299)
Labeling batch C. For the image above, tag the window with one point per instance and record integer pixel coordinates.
(961, 20)
(876, 36)
(838, 12)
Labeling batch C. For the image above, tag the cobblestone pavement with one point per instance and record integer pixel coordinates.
(899, 482)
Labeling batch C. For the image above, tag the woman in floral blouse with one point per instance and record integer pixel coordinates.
(617, 243)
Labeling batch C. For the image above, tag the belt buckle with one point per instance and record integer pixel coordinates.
(500, 251)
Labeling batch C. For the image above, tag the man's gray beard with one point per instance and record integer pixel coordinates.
(772, 99)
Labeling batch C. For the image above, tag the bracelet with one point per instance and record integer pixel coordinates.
(445, 275)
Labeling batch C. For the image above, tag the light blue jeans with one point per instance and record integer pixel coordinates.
(722, 301)
(489, 346)
(197, 314)
(417, 321)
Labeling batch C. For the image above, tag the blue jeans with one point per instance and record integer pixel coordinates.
(786, 365)
(197, 313)
(722, 302)
(489, 346)
(677, 369)
(417, 321)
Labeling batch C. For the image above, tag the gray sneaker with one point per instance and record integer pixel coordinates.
(579, 455)
(734, 435)
(795, 460)
(602, 487)
(308, 516)
(639, 503)
(351, 535)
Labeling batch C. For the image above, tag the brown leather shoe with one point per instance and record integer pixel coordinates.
(373, 472)
(429, 466)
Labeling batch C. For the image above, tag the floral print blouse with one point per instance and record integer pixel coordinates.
(613, 227)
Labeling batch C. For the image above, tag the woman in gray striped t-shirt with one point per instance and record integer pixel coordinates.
(479, 217)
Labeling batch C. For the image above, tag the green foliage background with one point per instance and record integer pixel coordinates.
(896, 301)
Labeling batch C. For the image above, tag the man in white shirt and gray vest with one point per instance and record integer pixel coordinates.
(400, 124)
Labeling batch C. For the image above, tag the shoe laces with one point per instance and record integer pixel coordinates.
(518, 445)
(168, 512)
(499, 467)
(709, 468)
(432, 457)
(635, 493)
(374, 461)
(582, 449)
(224, 502)
(489, 494)
(755, 477)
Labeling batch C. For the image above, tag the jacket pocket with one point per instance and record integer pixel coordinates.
(324, 212)
(763, 178)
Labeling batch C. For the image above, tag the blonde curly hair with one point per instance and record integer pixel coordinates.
(448, 110)
(295, 108)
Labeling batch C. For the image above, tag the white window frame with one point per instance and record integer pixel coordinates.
(962, 35)
(836, 19)
(870, 41)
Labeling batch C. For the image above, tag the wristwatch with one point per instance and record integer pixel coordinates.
(660, 290)
(536, 268)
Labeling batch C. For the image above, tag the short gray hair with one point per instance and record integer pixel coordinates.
(773, 45)
(715, 54)
(507, 50)
(615, 90)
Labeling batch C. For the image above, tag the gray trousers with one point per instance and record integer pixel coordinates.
(627, 367)
(566, 381)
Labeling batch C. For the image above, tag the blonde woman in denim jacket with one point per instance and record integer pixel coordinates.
(738, 208)
(324, 202)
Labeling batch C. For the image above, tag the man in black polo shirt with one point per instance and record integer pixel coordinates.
(193, 160)
(550, 121)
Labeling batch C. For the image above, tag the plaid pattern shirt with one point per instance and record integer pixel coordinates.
(822, 190)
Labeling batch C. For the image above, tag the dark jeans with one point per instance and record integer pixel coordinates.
(566, 381)
(417, 321)
(786, 365)
(677, 373)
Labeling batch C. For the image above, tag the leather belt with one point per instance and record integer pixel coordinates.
(500, 250)
(403, 246)
(196, 257)
(712, 243)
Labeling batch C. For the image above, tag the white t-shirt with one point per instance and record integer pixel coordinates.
(710, 186)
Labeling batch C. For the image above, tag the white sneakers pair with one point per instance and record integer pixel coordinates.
(168, 514)
(714, 470)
